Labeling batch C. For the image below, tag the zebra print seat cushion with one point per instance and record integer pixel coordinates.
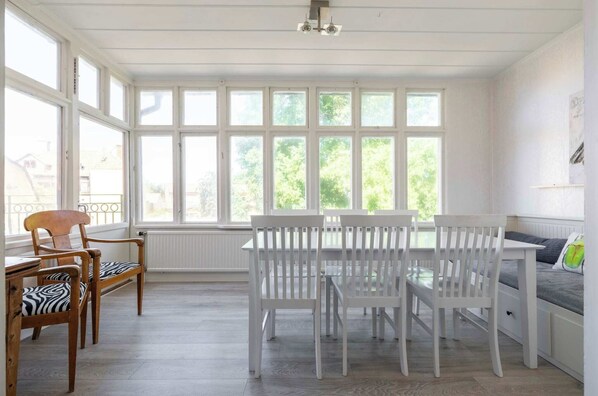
(107, 270)
(47, 299)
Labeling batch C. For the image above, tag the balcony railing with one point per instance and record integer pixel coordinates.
(102, 208)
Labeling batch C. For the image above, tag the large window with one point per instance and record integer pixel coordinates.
(377, 173)
(31, 51)
(289, 108)
(290, 158)
(377, 109)
(88, 83)
(156, 178)
(118, 97)
(335, 172)
(155, 107)
(246, 177)
(199, 107)
(201, 178)
(424, 109)
(335, 108)
(32, 166)
(246, 108)
(101, 172)
(423, 176)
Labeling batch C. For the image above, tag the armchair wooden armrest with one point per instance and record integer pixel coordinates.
(82, 254)
(138, 241)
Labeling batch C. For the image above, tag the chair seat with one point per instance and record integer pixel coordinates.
(107, 270)
(48, 299)
(423, 286)
(361, 290)
(291, 300)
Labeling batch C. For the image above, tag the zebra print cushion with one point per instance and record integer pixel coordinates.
(107, 270)
(47, 299)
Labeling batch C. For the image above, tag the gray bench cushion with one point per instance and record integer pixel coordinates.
(559, 287)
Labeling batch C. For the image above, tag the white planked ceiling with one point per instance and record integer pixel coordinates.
(380, 38)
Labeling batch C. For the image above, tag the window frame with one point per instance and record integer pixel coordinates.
(271, 109)
(308, 182)
(354, 108)
(173, 122)
(182, 108)
(265, 108)
(126, 95)
(441, 111)
(183, 173)
(396, 166)
(391, 128)
(355, 167)
(99, 85)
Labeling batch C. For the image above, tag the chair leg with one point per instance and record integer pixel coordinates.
(271, 325)
(493, 339)
(408, 317)
(395, 314)
(345, 342)
(442, 323)
(456, 325)
(328, 285)
(83, 323)
(259, 340)
(436, 340)
(73, 327)
(95, 314)
(140, 282)
(374, 322)
(36, 333)
(381, 324)
(317, 327)
(334, 315)
(402, 335)
(365, 311)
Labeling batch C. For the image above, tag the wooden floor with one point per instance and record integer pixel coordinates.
(192, 340)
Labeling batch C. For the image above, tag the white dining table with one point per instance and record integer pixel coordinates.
(422, 248)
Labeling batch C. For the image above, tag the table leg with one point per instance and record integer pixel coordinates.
(252, 319)
(527, 295)
(14, 300)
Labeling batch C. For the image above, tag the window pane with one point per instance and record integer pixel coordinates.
(201, 175)
(101, 172)
(246, 108)
(247, 177)
(289, 172)
(89, 79)
(423, 109)
(155, 108)
(335, 109)
(423, 176)
(117, 98)
(335, 172)
(377, 156)
(289, 108)
(200, 107)
(156, 178)
(30, 51)
(31, 167)
(377, 109)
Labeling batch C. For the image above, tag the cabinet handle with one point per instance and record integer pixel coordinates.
(509, 313)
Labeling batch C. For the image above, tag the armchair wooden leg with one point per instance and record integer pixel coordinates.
(36, 332)
(140, 281)
(73, 327)
(83, 323)
(95, 314)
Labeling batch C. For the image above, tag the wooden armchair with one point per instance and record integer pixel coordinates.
(58, 223)
(51, 303)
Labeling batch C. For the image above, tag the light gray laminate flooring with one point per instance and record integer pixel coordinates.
(192, 340)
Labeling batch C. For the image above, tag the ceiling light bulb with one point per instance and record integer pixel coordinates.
(305, 27)
(331, 29)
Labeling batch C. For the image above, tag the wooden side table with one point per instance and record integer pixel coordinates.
(16, 268)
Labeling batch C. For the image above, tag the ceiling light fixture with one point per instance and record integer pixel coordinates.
(318, 11)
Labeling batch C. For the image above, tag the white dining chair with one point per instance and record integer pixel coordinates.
(466, 267)
(414, 213)
(375, 253)
(287, 265)
(332, 230)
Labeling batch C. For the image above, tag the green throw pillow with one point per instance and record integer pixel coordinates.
(572, 257)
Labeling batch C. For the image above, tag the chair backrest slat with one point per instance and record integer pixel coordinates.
(379, 252)
(287, 256)
(468, 255)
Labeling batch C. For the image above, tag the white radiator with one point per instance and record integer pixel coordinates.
(196, 251)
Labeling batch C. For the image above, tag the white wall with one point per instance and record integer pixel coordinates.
(530, 134)
(591, 224)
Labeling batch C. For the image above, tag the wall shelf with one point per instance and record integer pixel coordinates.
(559, 186)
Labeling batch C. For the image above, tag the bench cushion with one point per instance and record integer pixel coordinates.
(107, 270)
(561, 288)
(550, 253)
